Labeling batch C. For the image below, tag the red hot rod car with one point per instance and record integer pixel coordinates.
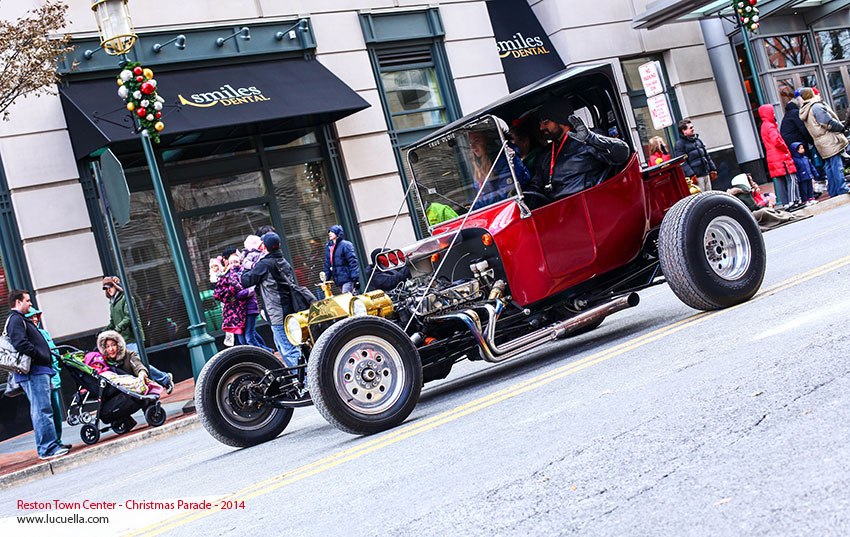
(503, 270)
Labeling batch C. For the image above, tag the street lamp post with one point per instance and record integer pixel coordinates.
(118, 37)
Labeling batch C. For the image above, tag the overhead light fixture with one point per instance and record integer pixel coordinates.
(179, 42)
(244, 33)
(301, 26)
(114, 26)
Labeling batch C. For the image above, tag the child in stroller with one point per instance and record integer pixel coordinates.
(106, 391)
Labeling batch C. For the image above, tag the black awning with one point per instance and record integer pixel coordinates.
(204, 98)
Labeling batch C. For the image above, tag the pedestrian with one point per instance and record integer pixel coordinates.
(233, 298)
(828, 134)
(341, 261)
(35, 316)
(780, 165)
(119, 320)
(697, 165)
(117, 354)
(792, 127)
(658, 152)
(252, 253)
(766, 217)
(805, 172)
(276, 279)
(26, 339)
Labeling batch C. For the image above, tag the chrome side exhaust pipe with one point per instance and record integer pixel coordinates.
(486, 337)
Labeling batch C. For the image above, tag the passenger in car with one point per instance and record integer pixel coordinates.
(525, 132)
(577, 158)
(484, 146)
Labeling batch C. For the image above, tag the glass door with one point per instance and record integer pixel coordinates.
(837, 84)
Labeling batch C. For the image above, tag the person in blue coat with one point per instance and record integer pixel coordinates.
(341, 264)
(805, 172)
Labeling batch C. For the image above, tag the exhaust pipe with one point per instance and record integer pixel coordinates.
(486, 338)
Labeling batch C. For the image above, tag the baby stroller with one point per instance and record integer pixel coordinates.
(98, 399)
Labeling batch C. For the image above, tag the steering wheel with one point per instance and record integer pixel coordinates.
(539, 200)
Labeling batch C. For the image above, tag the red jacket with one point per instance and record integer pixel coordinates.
(779, 161)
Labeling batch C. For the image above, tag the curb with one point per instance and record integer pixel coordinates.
(826, 205)
(96, 453)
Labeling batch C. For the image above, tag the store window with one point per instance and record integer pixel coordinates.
(409, 82)
(834, 45)
(276, 179)
(640, 109)
(788, 51)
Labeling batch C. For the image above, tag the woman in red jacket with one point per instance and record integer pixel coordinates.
(780, 165)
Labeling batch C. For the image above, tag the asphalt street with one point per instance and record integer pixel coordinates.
(663, 421)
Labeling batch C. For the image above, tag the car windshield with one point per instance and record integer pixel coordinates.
(449, 171)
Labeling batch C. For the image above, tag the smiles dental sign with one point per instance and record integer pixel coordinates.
(520, 47)
(226, 95)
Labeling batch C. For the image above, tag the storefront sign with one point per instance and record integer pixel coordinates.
(659, 110)
(527, 53)
(302, 92)
(650, 76)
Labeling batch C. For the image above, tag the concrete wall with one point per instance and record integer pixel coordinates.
(585, 32)
(46, 192)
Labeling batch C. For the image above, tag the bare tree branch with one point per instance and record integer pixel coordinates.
(30, 51)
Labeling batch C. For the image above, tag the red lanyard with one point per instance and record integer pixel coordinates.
(555, 155)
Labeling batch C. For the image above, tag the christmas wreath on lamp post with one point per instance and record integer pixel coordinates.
(137, 87)
(748, 13)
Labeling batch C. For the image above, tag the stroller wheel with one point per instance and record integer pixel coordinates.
(90, 434)
(73, 419)
(85, 417)
(155, 415)
(124, 426)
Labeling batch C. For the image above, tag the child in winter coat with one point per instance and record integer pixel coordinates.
(233, 298)
(658, 152)
(805, 172)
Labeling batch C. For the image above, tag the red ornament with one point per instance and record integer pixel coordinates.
(158, 115)
(141, 112)
(137, 70)
(147, 88)
(139, 78)
(753, 2)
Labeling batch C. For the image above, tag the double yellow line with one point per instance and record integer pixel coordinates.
(397, 435)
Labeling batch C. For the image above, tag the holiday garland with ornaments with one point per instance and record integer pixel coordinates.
(748, 13)
(138, 89)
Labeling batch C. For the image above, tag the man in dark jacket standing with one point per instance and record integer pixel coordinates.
(792, 129)
(697, 164)
(26, 339)
(577, 158)
(341, 261)
(275, 276)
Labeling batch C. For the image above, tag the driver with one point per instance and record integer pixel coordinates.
(577, 158)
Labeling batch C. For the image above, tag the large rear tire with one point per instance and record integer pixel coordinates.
(223, 402)
(364, 375)
(711, 251)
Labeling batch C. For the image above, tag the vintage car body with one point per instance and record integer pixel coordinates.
(495, 279)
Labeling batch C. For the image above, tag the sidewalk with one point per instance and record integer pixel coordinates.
(19, 462)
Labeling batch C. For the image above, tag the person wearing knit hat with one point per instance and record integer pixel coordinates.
(277, 284)
(119, 321)
(576, 158)
(828, 134)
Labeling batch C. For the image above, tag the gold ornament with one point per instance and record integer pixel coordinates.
(131, 106)
(148, 73)
(159, 126)
(120, 82)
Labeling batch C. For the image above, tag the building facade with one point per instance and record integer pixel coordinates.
(302, 168)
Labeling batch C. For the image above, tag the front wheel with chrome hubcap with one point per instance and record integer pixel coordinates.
(364, 375)
(711, 251)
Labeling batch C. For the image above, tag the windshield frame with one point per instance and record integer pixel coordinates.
(465, 127)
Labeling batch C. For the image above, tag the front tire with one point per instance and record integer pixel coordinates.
(711, 251)
(224, 405)
(364, 375)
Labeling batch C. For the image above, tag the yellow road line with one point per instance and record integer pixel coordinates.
(274, 483)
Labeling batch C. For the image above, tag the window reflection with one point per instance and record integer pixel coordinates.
(834, 45)
(787, 51)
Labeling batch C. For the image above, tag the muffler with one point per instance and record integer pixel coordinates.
(486, 337)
